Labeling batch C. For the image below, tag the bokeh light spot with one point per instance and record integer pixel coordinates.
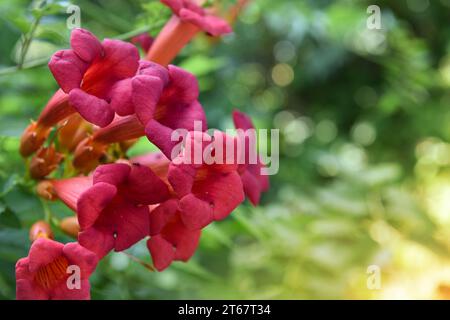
(282, 74)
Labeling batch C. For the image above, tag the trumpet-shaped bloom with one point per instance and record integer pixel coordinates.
(200, 193)
(114, 212)
(253, 181)
(188, 20)
(44, 274)
(207, 190)
(189, 11)
(175, 106)
(170, 239)
(210, 189)
(96, 75)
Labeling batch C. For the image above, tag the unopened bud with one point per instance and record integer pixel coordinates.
(70, 226)
(45, 190)
(44, 162)
(88, 154)
(40, 229)
(73, 131)
(33, 138)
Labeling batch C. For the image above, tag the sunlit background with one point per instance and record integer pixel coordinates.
(364, 175)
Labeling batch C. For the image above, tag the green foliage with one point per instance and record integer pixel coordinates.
(364, 126)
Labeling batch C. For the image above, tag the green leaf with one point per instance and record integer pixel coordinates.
(8, 218)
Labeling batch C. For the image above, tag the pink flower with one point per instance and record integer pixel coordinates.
(175, 106)
(201, 193)
(253, 181)
(144, 40)
(170, 239)
(188, 19)
(114, 212)
(209, 190)
(163, 99)
(96, 76)
(156, 161)
(189, 11)
(206, 191)
(44, 274)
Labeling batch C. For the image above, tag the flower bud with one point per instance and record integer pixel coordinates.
(70, 226)
(40, 229)
(73, 131)
(44, 162)
(87, 154)
(45, 190)
(33, 138)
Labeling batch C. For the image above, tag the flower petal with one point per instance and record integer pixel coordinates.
(22, 269)
(150, 68)
(62, 291)
(144, 40)
(92, 202)
(161, 136)
(161, 251)
(146, 91)
(181, 178)
(184, 240)
(85, 44)
(82, 257)
(174, 5)
(143, 186)
(182, 87)
(121, 57)
(68, 69)
(95, 110)
(99, 241)
(121, 98)
(213, 25)
(251, 187)
(27, 290)
(242, 120)
(113, 173)
(184, 116)
(186, 248)
(69, 190)
(195, 213)
(161, 215)
(131, 225)
(223, 191)
(42, 252)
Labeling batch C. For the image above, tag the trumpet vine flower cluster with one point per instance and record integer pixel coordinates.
(108, 97)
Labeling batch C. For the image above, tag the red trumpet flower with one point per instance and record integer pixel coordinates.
(202, 192)
(170, 239)
(174, 106)
(188, 19)
(44, 274)
(95, 75)
(114, 212)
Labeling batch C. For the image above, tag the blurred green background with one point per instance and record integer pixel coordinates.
(364, 152)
